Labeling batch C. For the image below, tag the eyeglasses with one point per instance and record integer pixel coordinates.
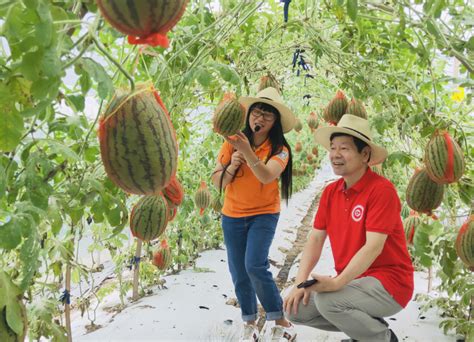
(267, 116)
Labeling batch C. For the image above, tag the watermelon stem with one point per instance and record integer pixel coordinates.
(114, 61)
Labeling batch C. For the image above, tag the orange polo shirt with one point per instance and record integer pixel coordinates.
(246, 195)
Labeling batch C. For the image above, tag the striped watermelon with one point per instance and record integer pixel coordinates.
(138, 142)
(444, 158)
(405, 211)
(465, 243)
(356, 107)
(298, 126)
(216, 204)
(336, 108)
(149, 217)
(229, 117)
(313, 121)
(162, 256)
(422, 194)
(269, 81)
(174, 193)
(202, 198)
(410, 224)
(144, 21)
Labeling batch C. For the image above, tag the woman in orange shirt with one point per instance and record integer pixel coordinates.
(248, 168)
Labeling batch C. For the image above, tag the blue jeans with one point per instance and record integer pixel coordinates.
(248, 241)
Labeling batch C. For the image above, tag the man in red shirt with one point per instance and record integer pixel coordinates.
(360, 213)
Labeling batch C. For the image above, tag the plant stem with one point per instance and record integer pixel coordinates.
(67, 307)
(136, 272)
(114, 61)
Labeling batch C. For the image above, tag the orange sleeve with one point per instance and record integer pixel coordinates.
(282, 157)
(225, 154)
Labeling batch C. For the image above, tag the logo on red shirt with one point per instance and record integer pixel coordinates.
(357, 213)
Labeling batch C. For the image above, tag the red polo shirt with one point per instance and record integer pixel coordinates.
(370, 205)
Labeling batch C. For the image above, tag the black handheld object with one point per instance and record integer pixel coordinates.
(306, 283)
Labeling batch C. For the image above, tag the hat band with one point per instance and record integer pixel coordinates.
(357, 132)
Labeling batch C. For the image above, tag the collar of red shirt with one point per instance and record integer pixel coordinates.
(360, 184)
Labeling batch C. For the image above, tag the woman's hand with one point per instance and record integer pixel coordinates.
(237, 160)
(240, 142)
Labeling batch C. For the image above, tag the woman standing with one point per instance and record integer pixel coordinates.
(248, 168)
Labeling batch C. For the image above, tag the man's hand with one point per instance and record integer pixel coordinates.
(291, 302)
(324, 284)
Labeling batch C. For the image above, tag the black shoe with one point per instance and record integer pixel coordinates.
(348, 340)
(393, 337)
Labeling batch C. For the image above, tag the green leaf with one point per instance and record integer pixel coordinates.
(50, 63)
(352, 8)
(470, 44)
(426, 260)
(9, 294)
(29, 256)
(91, 154)
(37, 109)
(29, 67)
(29, 214)
(431, 28)
(56, 220)
(227, 73)
(77, 102)
(402, 157)
(76, 214)
(10, 235)
(75, 275)
(114, 216)
(33, 4)
(45, 87)
(203, 76)
(85, 83)
(44, 33)
(11, 131)
(98, 73)
(61, 149)
(39, 196)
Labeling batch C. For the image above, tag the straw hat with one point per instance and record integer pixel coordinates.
(357, 127)
(272, 97)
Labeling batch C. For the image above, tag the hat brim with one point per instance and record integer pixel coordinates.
(287, 118)
(322, 135)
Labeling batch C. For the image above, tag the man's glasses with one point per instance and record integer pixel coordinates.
(267, 116)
